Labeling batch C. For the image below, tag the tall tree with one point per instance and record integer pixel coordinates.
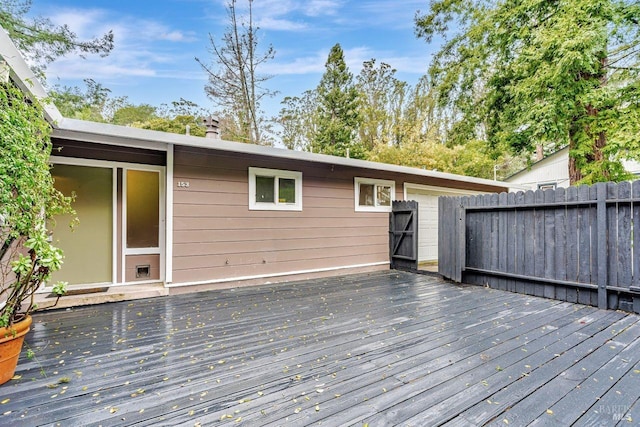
(338, 115)
(40, 40)
(234, 80)
(298, 120)
(561, 72)
(382, 99)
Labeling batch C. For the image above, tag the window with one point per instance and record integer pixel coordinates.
(547, 186)
(272, 189)
(374, 195)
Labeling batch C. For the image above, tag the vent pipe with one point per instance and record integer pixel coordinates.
(213, 127)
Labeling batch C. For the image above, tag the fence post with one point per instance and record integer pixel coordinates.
(601, 231)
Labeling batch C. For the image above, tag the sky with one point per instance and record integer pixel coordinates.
(156, 43)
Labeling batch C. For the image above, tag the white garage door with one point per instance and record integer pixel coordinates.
(428, 219)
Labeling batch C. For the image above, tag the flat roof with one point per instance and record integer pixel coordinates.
(81, 130)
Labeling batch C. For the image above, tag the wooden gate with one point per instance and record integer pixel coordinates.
(403, 235)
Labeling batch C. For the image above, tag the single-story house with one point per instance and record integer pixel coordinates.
(191, 213)
(553, 171)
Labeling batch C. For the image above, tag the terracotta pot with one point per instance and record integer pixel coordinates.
(11, 340)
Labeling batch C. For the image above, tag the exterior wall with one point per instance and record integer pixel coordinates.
(217, 239)
(553, 169)
(216, 236)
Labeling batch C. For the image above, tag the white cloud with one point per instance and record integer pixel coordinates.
(321, 7)
(270, 23)
(142, 48)
(354, 57)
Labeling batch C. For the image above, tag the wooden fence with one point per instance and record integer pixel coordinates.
(580, 244)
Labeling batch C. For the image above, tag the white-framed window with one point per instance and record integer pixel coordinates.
(275, 190)
(374, 195)
(547, 186)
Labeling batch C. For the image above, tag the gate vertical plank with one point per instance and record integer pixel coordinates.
(539, 243)
(595, 236)
(584, 246)
(625, 236)
(572, 243)
(471, 240)
(560, 222)
(494, 222)
(635, 193)
(529, 239)
(549, 243)
(612, 235)
(511, 241)
(520, 235)
(602, 190)
(461, 238)
(442, 256)
(486, 234)
(502, 232)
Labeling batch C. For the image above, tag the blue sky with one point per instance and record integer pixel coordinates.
(156, 43)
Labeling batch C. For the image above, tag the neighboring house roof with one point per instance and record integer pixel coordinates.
(81, 130)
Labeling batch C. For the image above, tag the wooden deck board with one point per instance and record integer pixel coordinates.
(384, 348)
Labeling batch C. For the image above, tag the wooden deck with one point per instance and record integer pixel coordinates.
(382, 349)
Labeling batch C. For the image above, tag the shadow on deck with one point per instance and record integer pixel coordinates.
(389, 348)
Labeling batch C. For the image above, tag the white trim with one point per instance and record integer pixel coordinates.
(275, 205)
(433, 189)
(123, 231)
(158, 250)
(144, 251)
(266, 276)
(114, 225)
(168, 250)
(24, 77)
(376, 182)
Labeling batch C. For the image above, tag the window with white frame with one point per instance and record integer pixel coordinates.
(374, 195)
(275, 190)
(547, 186)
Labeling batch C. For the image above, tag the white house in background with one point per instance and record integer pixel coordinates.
(553, 171)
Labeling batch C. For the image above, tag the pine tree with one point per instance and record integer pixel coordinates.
(338, 117)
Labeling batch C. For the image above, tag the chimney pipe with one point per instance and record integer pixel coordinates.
(212, 125)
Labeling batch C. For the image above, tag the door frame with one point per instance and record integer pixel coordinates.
(118, 256)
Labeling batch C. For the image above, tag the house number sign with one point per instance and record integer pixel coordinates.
(183, 184)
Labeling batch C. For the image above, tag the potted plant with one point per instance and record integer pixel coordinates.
(28, 200)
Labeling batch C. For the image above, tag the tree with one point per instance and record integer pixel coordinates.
(234, 81)
(298, 120)
(129, 114)
(338, 114)
(94, 103)
(176, 124)
(382, 101)
(562, 72)
(40, 40)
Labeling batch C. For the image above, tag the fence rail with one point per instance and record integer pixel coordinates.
(576, 244)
